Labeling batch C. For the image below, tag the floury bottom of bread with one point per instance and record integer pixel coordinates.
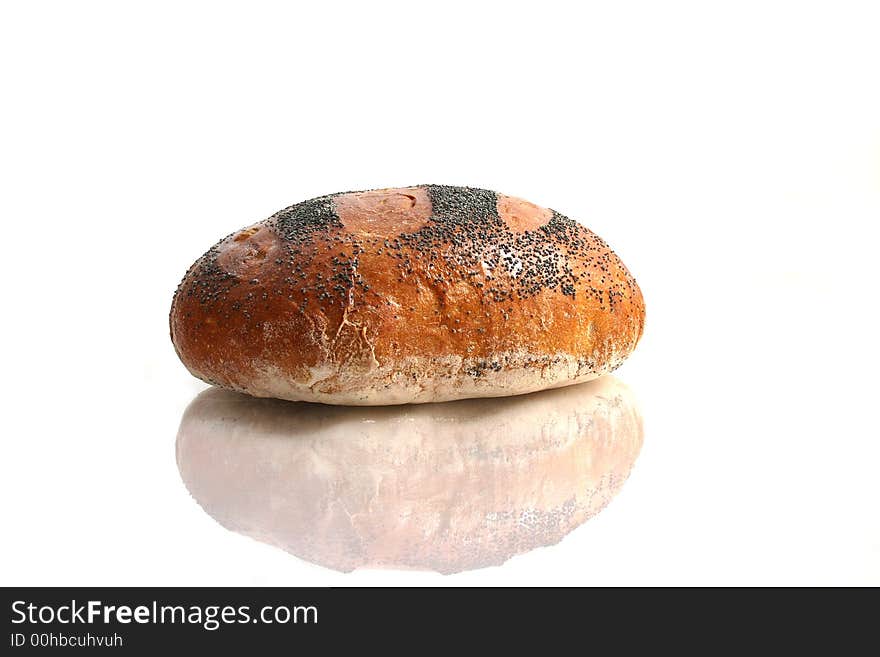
(446, 378)
(407, 295)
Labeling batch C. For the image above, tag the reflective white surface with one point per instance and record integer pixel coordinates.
(444, 487)
(729, 152)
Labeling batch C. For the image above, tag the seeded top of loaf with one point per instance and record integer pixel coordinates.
(464, 227)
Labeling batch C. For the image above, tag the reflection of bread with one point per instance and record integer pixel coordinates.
(419, 294)
(446, 487)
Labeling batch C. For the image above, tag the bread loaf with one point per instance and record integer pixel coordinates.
(418, 294)
(445, 487)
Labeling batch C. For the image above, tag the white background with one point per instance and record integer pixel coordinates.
(729, 152)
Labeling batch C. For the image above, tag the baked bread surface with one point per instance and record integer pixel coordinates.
(408, 295)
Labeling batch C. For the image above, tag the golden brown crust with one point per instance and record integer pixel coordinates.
(520, 215)
(407, 209)
(415, 294)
